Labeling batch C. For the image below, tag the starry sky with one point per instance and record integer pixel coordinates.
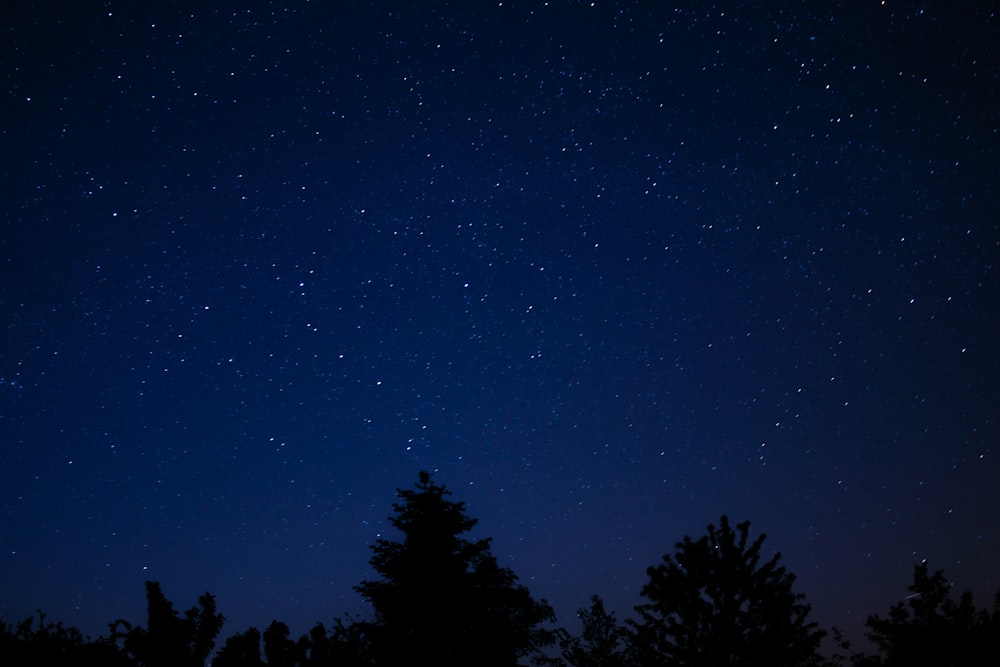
(608, 269)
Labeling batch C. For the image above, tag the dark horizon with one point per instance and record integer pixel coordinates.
(609, 270)
(828, 638)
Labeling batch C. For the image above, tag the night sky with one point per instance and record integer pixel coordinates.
(607, 269)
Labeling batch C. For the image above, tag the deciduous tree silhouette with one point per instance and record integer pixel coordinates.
(171, 640)
(53, 645)
(280, 650)
(443, 599)
(342, 646)
(240, 650)
(930, 628)
(601, 642)
(715, 603)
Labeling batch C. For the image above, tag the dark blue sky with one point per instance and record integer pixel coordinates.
(609, 270)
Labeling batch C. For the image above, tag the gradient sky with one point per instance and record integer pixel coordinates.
(607, 269)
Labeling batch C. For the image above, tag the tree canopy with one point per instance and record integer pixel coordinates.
(714, 602)
(170, 640)
(930, 627)
(442, 598)
(601, 642)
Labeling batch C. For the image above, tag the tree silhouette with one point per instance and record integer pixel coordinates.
(171, 640)
(714, 603)
(343, 646)
(443, 599)
(929, 627)
(279, 649)
(240, 650)
(53, 644)
(601, 642)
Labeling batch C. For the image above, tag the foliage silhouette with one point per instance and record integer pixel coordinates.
(240, 650)
(171, 640)
(602, 639)
(930, 627)
(443, 599)
(348, 645)
(343, 646)
(715, 603)
(53, 644)
(279, 649)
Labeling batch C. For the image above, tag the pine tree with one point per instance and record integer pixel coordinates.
(442, 598)
(714, 603)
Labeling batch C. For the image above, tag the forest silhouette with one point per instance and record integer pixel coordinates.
(441, 598)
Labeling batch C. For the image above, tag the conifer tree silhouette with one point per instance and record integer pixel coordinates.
(443, 599)
(715, 603)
